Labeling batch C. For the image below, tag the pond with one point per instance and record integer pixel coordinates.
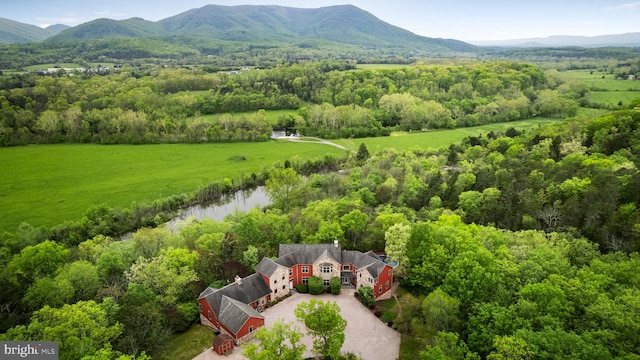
(241, 201)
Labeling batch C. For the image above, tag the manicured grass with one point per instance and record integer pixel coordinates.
(437, 139)
(187, 345)
(49, 184)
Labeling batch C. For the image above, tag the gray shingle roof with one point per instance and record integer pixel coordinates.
(252, 288)
(267, 267)
(292, 254)
(308, 253)
(233, 313)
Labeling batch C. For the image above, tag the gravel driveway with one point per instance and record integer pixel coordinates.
(365, 334)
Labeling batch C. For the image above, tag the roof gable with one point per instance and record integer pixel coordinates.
(267, 267)
(234, 314)
(250, 289)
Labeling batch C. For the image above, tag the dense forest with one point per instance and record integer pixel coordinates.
(167, 105)
(511, 245)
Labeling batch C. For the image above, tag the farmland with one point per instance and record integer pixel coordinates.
(49, 184)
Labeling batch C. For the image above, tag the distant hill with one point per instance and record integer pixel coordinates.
(619, 40)
(13, 32)
(108, 28)
(270, 25)
(345, 24)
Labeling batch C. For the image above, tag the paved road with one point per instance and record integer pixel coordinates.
(365, 334)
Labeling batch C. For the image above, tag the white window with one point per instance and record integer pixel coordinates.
(209, 315)
(305, 269)
(275, 281)
(386, 285)
(371, 280)
(290, 272)
(346, 267)
(375, 281)
(250, 329)
(283, 286)
(389, 272)
(305, 280)
(326, 269)
(379, 289)
(282, 277)
(326, 282)
(275, 291)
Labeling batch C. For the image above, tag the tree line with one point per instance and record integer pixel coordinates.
(165, 104)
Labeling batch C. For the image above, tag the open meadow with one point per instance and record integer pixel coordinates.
(49, 184)
(437, 139)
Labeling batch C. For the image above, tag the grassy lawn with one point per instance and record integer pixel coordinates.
(437, 139)
(187, 345)
(49, 184)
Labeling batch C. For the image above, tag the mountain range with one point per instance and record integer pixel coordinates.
(256, 24)
(13, 32)
(215, 28)
(620, 40)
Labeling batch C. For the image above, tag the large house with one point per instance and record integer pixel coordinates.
(235, 309)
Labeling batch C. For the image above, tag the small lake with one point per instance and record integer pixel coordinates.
(241, 201)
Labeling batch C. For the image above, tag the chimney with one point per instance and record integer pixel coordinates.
(335, 243)
(238, 280)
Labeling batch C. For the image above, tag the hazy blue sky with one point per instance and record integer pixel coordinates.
(458, 19)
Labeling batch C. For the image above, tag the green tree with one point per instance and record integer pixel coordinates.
(396, 239)
(363, 153)
(448, 347)
(38, 260)
(250, 257)
(279, 342)
(440, 312)
(325, 325)
(283, 186)
(81, 329)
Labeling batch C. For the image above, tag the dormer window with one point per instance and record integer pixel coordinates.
(326, 268)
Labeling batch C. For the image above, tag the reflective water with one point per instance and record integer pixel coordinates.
(241, 201)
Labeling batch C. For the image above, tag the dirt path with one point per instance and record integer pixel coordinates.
(313, 140)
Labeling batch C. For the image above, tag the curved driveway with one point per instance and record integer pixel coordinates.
(365, 334)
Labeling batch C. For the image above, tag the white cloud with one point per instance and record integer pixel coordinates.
(632, 5)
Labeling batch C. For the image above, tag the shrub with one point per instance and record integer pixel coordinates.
(335, 285)
(316, 285)
(365, 294)
(388, 316)
(302, 288)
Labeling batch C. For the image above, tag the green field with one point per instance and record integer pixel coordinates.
(437, 139)
(596, 82)
(49, 184)
(187, 345)
(613, 98)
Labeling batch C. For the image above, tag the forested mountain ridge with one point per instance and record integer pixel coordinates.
(269, 25)
(14, 32)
